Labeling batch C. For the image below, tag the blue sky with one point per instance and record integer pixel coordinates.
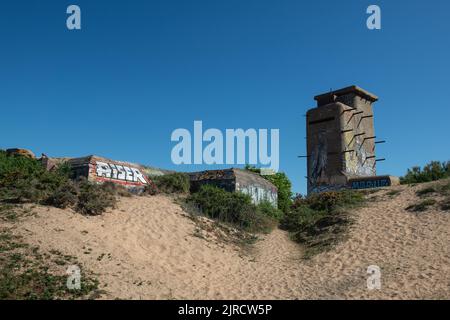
(137, 70)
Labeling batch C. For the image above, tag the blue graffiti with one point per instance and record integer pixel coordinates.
(367, 184)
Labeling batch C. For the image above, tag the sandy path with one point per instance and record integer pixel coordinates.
(146, 249)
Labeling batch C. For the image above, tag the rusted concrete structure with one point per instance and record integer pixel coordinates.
(97, 169)
(232, 180)
(341, 140)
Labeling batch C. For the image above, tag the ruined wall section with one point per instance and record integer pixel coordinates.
(258, 188)
(99, 170)
(340, 139)
(358, 139)
(324, 148)
(237, 180)
(224, 179)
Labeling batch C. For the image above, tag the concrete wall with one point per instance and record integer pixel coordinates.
(232, 180)
(97, 169)
(340, 139)
(324, 148)
(360, 139)
(373, 182)
(224, 179)
(258, 188)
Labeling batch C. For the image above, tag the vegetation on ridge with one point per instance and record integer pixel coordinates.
(234, 208)
(321, 220)
(24, 180)
(435, 170)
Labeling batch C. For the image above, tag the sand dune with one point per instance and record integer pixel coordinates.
(149, 248)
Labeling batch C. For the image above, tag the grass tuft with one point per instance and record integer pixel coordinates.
(234, 208)
(426, 192)
(24, 273)
(421, 206)
(320, 221)
(173, 183)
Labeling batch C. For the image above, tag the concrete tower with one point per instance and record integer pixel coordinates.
(340, 139)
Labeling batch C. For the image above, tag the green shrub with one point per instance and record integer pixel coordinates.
(393, 193)
(426, 191)
(445, 189)
(435, 170)
(19, 178)
(299, 217)
(151, 189)
(171, 183)
(8, 212)
(24, 274)
(329, 201)
(421, 206)
(445, 204)
(283, 184)
(267, 209)
(94, 199)
(64, 196)
(25, 180)
(230, 207)
(116, 189)
(320, 220)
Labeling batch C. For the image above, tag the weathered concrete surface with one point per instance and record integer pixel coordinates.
(340, 139)
(51, 163)
(97, 169)
(224, 179)
(232, 180)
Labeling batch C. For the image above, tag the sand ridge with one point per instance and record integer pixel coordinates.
(147, 249)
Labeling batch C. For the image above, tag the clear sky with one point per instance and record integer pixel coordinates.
(137, 70)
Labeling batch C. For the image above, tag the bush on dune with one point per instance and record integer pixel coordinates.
(283, 184)
(320, 220)
(169, 183)
(64, 196)
(116, 189)
(234, 208)
(24, 180)
(435, 170)
(267, 209)
(94, 199)
(330, 201)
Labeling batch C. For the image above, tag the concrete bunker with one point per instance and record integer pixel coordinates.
(96, 169)
(341, 142)
(237, 180)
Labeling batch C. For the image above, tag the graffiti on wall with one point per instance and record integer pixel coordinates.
(371, 183)
(356, 162)
(318, 161)
(327, 188)
(119, 172)
(259, 194)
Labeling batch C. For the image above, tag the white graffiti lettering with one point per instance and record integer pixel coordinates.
(258, 194)
(119, 172)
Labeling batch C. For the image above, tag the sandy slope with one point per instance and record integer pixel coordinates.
(147, 249)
